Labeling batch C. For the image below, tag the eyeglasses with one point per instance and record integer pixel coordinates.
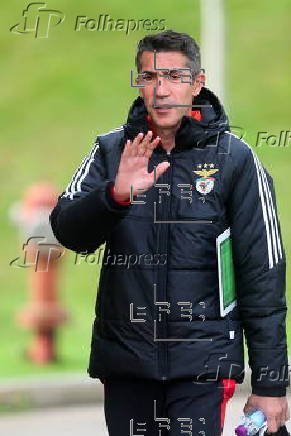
(173, 76)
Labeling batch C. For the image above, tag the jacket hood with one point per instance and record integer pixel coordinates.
(192, 132)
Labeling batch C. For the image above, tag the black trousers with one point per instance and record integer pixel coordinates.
(139, 407)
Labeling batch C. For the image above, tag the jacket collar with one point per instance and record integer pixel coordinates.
(193, 132)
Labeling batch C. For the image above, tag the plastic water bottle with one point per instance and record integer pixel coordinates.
(251, 423)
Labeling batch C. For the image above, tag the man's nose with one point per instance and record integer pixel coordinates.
(162, 89)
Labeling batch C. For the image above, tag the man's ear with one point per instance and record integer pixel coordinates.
(198, 82)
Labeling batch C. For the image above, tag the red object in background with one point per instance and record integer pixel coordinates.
(43, 314)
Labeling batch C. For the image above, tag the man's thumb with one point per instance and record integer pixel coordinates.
(248, 409)
(161, 168)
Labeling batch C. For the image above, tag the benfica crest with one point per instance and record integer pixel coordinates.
(205, 183)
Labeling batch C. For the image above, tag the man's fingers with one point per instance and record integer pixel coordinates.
(161, 168)
(151, 147)
(154, 143)
(144, 144)
(273, 425)
(126, 150)
(246, 410)
(285, 416)
(135, 144)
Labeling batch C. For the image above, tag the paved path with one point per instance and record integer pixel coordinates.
(85, 421)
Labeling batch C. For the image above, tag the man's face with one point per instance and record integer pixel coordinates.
(159, 90)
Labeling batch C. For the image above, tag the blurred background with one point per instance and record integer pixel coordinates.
(60, 90)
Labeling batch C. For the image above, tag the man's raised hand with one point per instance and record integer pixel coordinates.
(133, 167)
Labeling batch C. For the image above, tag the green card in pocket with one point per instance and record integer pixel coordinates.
(227, 294)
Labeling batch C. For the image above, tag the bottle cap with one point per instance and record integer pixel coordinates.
(241, 430)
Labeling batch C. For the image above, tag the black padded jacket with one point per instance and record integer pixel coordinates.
(158, 309)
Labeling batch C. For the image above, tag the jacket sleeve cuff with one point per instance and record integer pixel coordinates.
(269, 392)
(113, 204)
(124, 203)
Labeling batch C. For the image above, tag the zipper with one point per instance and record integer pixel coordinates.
(164, 237)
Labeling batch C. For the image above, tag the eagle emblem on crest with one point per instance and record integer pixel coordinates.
(205, 183)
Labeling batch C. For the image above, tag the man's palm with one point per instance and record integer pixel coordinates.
(133, 167)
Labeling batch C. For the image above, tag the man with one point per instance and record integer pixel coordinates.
(160, 190)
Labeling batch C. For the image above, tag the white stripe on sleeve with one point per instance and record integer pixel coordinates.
(70, 190)
(269, 213)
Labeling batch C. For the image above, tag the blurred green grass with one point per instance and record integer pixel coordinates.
(59, 93)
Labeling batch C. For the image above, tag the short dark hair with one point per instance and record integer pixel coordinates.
(171, 41)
